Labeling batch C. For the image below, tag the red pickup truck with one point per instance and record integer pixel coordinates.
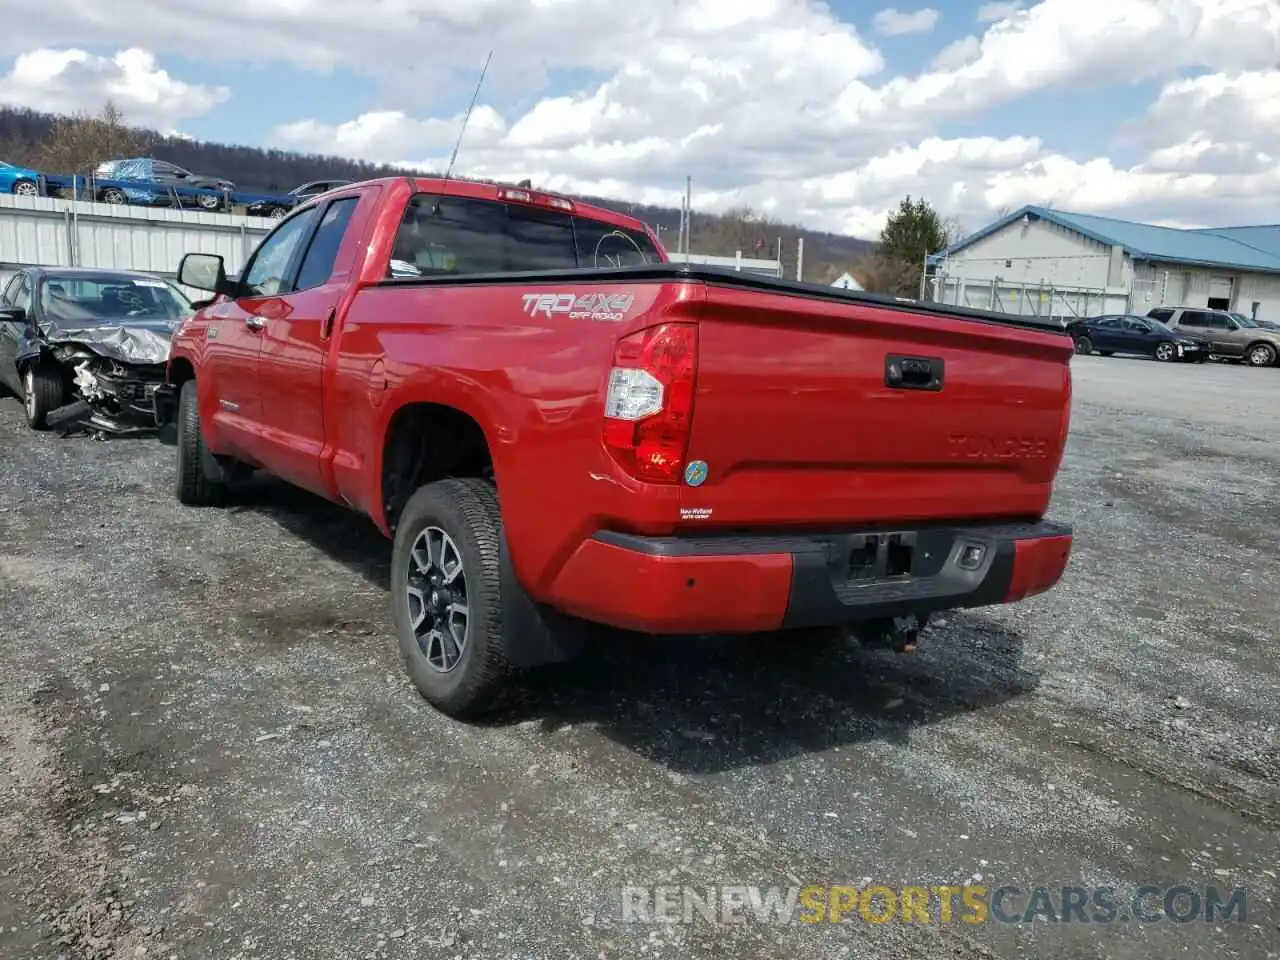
(559, 427)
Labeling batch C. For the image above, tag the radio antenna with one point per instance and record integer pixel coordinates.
(466, 118)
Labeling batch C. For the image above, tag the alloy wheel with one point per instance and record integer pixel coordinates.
(437, 599)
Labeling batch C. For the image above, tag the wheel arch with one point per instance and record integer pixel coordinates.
(422, 442)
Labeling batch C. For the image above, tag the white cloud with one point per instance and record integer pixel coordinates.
(957, 54)
(894, 23)
(64, 81)
(775, 103)
(1000, 10)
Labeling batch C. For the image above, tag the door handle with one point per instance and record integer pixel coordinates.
(326, 328)
(255, 322)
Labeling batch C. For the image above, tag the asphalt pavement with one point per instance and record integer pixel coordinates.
(208, 747)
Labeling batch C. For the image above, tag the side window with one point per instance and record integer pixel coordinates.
(10, 288)
(266, 274)
(1106, 323)
(1192, 318)
(460, 235)
(317, 265)
(1164, 316)
(602, 245)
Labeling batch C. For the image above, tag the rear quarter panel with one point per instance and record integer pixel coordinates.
(534, 383)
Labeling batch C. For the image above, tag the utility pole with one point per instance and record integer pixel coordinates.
(688, 213)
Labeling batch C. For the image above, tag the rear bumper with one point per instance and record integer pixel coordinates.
(722, 584)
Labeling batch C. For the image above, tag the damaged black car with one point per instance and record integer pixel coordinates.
(85, 349)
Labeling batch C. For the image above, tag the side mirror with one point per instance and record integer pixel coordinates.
(205, 271)
(13, 315)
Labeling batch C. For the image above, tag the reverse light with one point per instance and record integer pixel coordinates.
(649, 402)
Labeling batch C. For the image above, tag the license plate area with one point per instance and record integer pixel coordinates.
(880, 556)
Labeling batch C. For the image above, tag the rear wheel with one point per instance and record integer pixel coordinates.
(42, 392)
(198, 483)
(1084, 345)
(114, 196)
(1261, 355)
(1165, 351)
(447, 597)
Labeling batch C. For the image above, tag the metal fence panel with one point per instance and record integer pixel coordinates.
(51, 232)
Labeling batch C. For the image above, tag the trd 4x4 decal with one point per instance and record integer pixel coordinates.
(607, 307)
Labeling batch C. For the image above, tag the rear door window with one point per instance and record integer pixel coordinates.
(317, 265)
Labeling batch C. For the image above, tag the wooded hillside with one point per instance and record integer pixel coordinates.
(73, 144)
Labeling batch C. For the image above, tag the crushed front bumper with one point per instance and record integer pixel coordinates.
(734, 584)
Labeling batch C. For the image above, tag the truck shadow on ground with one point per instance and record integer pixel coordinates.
(708, 705)
(700, 705)
(337, 531)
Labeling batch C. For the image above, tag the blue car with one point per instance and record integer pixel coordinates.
(1142, 336)
(19, 180)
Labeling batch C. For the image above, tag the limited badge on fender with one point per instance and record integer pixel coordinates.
(695, 474)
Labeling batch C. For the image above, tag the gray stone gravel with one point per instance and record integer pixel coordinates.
(208, 748)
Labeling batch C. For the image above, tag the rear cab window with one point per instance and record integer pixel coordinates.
(459, 236)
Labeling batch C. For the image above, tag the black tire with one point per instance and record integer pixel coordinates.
(26, 188)
(1084, 346)
(1260, 355)
(467, 511)
(1166, 352)
(114, 196)
(42, 391)
(277, 213)
(197, 478)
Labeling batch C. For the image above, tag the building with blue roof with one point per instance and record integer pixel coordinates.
(1052, 263)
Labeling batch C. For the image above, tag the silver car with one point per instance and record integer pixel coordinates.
(1231, 336)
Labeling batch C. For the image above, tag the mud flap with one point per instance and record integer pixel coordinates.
(535, 635)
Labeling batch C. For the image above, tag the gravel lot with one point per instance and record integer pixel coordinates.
(208, 748)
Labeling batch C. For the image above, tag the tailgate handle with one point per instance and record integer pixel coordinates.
(913, 373)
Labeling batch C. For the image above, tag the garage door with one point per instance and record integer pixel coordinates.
(1219, 293)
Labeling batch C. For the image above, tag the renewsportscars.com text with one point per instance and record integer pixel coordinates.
(936, 904)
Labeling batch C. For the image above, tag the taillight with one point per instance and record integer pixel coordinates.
(648, 408)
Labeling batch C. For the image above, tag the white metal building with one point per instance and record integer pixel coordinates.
(51, 232)
(770, 268)
(1049, 263)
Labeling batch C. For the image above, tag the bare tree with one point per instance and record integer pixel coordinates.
(739, 228)
(78, 143)
(19, 151)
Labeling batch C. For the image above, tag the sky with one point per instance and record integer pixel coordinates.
(823, 114)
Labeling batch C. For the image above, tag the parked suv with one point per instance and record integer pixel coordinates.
(1231, 336)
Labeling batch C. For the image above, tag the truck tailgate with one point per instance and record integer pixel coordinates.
(811, 412)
